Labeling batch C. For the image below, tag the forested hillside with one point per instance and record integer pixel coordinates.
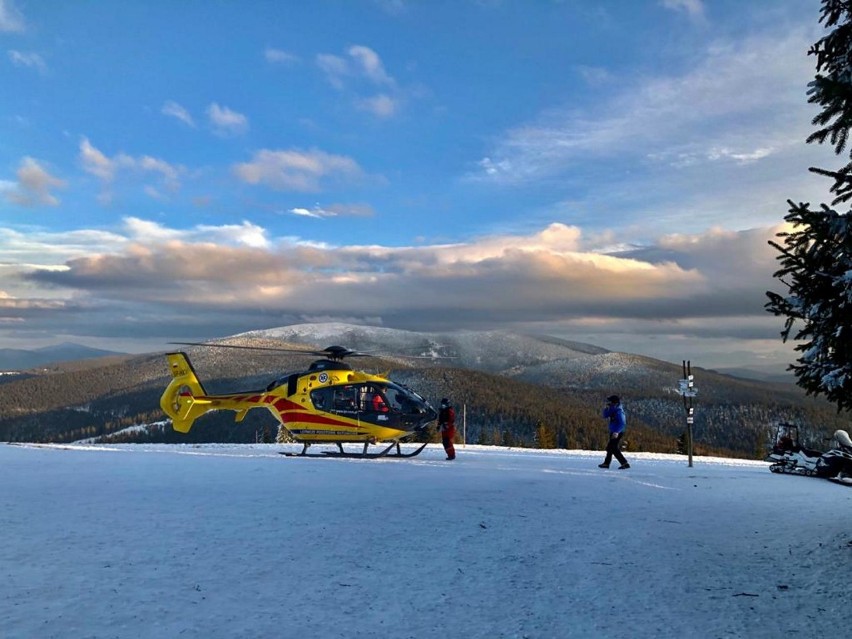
(540, 400)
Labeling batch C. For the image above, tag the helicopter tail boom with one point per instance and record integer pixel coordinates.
(184, 398)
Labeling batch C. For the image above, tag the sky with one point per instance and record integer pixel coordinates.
(149, 541)
(603, 171)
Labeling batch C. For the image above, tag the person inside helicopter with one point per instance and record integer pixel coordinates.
(344, 401)
(378, 403)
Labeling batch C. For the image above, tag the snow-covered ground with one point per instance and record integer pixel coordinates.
(145, 541)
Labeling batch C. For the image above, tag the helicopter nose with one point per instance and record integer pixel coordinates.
(430, 416)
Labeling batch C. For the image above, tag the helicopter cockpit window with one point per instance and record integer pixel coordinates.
(395, 399)
(373, 400)
(320, 399)
(403, 400)
(338, 399)
(345, 399)
(368, 398)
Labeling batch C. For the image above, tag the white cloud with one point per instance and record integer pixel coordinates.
(95, 162)
(334, 210)
(382, 106)
(682, 158)
(393, 7)
(107, 168)
(360, 73)
(175, 110)
(369, 64)
(277, 56)
(746, 97)
(296, 170)
(225, 121)
(595, 75)
(693, 8)
(39, 249)
(742, 157)
(362, 64)
(28, 60)
(146, 163)
(11, 20)
(34, 185)
(708, 286)
(334, 67)
(539, 274)
(315, 212)
(146, 232)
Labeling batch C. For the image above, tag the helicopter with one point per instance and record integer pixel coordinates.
(329, 403)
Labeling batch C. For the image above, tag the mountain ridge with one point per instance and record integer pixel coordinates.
(518, 389)
(16, 359)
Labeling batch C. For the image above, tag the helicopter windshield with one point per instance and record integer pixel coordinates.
(372, 397)
(403, 400)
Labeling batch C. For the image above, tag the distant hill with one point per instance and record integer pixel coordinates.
(511, 389)
(499, 352)
(12, 359)
(775, 373)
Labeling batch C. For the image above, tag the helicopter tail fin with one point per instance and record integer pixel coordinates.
(185, 399)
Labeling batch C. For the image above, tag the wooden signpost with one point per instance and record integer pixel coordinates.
(687, 389)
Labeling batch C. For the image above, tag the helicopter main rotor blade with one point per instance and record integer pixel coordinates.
(250, 348)
(331, 352)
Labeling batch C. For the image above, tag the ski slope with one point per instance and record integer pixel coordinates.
(205, 541)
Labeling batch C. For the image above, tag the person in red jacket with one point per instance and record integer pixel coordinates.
(447, 425)
(379, 404)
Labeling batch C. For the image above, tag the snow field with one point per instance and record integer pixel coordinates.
(239, 541)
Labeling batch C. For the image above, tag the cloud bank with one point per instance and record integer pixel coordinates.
(209, 281)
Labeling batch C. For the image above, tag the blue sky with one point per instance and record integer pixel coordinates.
(605, 171)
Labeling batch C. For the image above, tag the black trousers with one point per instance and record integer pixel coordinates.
(612, 449)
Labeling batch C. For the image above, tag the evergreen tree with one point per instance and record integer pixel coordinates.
(545, 437)
(816, 256)
(832, 90)
(681, 446)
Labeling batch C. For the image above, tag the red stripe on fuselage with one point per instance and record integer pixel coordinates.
(288, 410)
(311, 418)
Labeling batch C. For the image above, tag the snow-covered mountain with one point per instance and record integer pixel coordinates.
(487, 348)
(536, 359)
(492, 351)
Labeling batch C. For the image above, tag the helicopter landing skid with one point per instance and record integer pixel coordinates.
(342, 454)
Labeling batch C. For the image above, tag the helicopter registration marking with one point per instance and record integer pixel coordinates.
(320, 432)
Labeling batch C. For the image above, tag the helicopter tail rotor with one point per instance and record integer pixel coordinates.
(184, 400)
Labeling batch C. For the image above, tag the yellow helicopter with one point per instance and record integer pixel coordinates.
(329, 403)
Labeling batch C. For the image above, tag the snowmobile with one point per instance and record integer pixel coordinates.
(836, 464)
(790, 457)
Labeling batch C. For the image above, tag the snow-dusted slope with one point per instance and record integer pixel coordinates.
(536, 359)
(494, 351)
(223, 541)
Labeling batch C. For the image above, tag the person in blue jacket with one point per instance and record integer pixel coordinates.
(614, 412)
